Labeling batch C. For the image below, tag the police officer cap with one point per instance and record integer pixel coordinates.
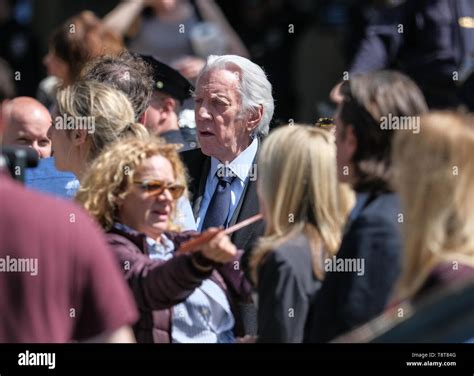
(168, 81)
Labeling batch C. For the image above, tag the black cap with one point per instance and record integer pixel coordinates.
(168, 80)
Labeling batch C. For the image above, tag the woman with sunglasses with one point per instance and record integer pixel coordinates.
(131, 189)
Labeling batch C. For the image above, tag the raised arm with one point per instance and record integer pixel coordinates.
(211, 12)
(122, 17)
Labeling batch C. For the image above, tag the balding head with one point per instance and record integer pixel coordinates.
(26, 123)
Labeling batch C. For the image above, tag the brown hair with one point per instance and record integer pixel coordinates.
(367, 99)
(111, 175)
(81, 38)
(127, 73)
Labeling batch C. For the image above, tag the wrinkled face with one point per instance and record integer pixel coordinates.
(30, 129)
(149, 214)
(56, 66)
(222, 132)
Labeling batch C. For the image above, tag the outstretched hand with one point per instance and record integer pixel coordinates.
(218, 248)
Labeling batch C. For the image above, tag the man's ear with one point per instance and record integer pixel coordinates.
(168, 106)
(79, 136)
(254, 119)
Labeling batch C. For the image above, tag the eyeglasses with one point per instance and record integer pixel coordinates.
(157, 187)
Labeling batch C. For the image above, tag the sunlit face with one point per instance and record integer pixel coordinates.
(26, 124)
(154, 117)
(30, 134)
(62, 148)
(57, 67)
(149, 214)
(222, 131)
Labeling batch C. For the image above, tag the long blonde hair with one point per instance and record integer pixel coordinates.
(434, 175)
(110, 176)
(109, 109)
(300, 192)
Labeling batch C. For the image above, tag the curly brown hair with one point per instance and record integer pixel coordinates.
(110, 176)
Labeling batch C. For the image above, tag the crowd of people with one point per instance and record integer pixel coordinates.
(133, 237)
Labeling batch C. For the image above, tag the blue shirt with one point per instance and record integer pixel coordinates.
(184, 216)
(205, 316)
(243, 167)
(46, 178)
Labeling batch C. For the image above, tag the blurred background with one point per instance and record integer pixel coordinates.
(303, 45)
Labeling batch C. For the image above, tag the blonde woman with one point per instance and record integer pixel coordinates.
(89, 116)
(434, 175)
(300, 198)
(131, 189)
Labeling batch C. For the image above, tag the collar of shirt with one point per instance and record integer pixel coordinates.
(155, 250)
(241, 165)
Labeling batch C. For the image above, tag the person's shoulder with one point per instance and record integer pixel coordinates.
(192, 155)
(292, 246)
(381, 209)
(194, 161)
(291, 254)
(120, 241)
(20, 197)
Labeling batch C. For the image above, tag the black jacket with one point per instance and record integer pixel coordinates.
(198, 166)
(346, 299)
(286, 287)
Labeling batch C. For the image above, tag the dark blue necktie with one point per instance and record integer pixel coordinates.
(218, 209)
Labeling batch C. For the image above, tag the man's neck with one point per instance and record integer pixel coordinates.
(231, 157)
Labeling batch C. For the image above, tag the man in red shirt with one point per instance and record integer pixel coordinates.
(58, 280)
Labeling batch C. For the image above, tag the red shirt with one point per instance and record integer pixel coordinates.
(58, 278)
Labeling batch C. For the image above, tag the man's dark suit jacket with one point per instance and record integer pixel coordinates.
(198, 166)
(347, 300)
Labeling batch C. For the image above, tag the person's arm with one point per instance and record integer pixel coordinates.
(382, 41)
(233, 274)
(122, 17)
(211, 12)
(282, 305)
(379, 47)
(121, 335)
(160, 284)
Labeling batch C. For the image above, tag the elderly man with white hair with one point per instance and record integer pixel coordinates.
(234, 106)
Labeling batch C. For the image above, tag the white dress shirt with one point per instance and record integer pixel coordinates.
(244, 169)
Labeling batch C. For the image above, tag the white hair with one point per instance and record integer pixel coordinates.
(254, 87)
